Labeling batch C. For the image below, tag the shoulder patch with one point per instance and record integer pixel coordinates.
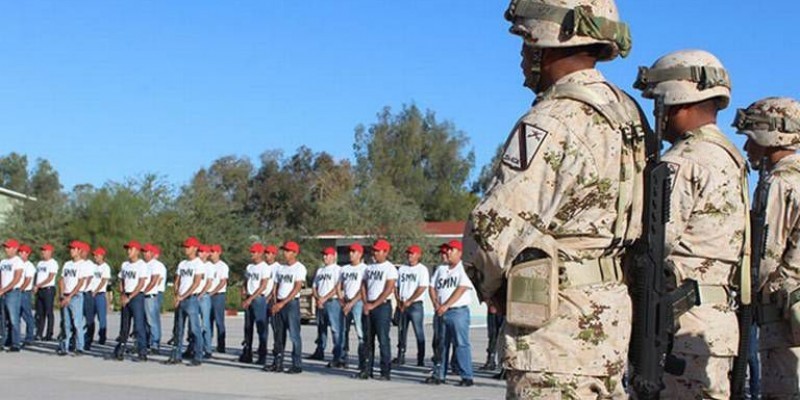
(522, 145)
(673, 171)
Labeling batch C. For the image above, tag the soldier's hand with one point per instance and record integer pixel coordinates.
(246, 303)
(498, 302)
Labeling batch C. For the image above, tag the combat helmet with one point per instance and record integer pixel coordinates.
(570, 23)
(771, 122)
(685, 77)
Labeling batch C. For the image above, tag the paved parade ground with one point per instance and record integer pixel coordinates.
(38, 373)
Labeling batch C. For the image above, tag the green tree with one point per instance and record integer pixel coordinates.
(488, 173)
(14, 172)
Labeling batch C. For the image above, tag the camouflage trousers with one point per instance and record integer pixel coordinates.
(546, 386)
(579, 354)
(779, 373)
(706, 377)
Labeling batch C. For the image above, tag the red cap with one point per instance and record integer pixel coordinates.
(76, 244)
(11, 243)
(291, 246)
(191, 242)
(455, 244)
(271, 249)
(216, 248)
(414, 249)
(381, 245)
(443, 248)
(149, 247)
(329, 251)
(47, 247)
(133, 244)
(99, 251)
(25, 248)
(357, 247)
(257, 248)
(204, 248)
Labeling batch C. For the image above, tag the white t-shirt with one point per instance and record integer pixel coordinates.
(28, 271)
(272, 269)
(221, 272)
(326, 279)
(72, 272)
(102, 271)
(254, 273)
(186, 271)
(208, 276)
(352, 277)
(44, 269)
(446, 280)
(8, 267)
(155, 267)
(286, 276)
(410, 279)
(130, 273)
(376, 276)
(162, 286)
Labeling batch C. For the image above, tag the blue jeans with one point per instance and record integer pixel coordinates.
(188, 309)
(218, 317)
(135, 309)
(101, 308)
(754, 382)
(378, 323)
(88, 317)
(27, 314)
(454, 328)
(72, 316)
(330, 316)
(288, 319)
(12, 308)
(256, 315)
(415, 315)
(494, 322)
(355, 319)
(205, 321)
(152, 307)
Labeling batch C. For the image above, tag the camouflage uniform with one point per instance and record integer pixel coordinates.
(570, 186)
(708, 226)
(780, 267)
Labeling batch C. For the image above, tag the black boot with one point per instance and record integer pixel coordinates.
(490, 364)
(246, 356)
(262, 354)
(101, 340)
(221, 343)
(401, 358)
(119, 352)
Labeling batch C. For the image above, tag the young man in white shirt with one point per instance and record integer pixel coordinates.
(412, 283)
(28, 276)
(45, 291)
(153, 297)
(352, 303)
(204, 299)
(451, 290)
(378, 287)
(188, 279)
(73, 278)
(133, 275)
(257, 280)
(289, 279)
(329, 310)
(88, 299)
(99, 287)
(219, 286)
(11, 272)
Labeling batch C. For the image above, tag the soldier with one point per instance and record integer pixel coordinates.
(73, 277)
(378, 287)
(219, 286)
(99, 290)
(352, 304)
(204, 299)
(11, 272)
(289, 279)
(707, 230)
(88, 299)
(563, 203)
(772, 126)
(254, 303)
(45, 291)
(188, 279)
(133, 276)
(153, 296)
(329, 310)
(413, 282)
(28, 275)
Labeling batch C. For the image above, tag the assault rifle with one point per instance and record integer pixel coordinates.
(657, 300)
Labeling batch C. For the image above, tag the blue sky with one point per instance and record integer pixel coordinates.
(108, 89)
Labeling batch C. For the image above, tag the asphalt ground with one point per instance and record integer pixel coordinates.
(38, 373)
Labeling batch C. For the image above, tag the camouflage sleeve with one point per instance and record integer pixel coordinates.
(689, 185)
(543, 159)
(781, 261)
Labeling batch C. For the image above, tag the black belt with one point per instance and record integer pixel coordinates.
(150, 296)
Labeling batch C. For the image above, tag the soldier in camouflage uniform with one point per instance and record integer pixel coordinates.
(567, 194)
(772, 126)
(707, 234)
